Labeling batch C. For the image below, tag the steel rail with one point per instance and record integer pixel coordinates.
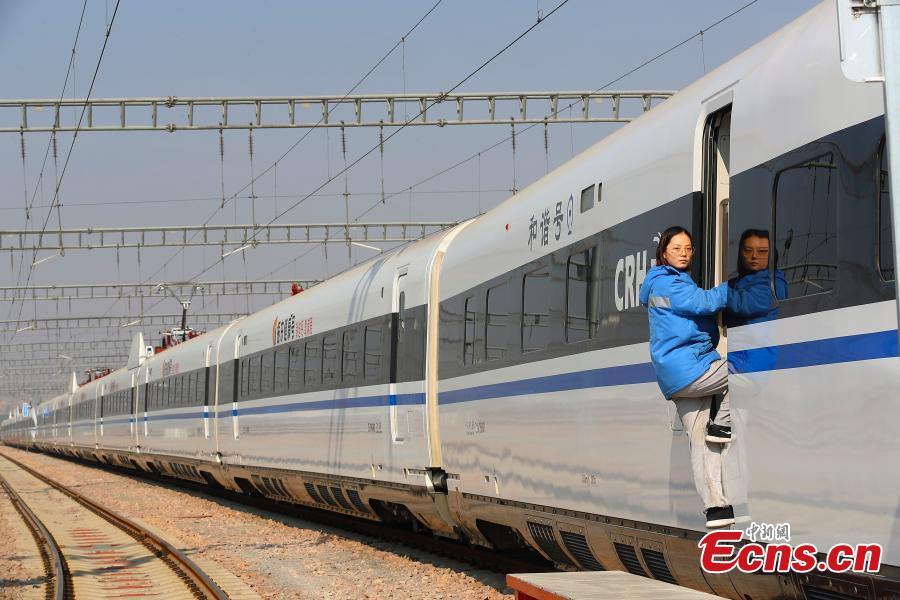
(186, 569)
(59, 579)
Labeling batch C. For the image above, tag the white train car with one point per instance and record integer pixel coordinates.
(115, 411)
(172, 401)
(492, 382)
(331, 383)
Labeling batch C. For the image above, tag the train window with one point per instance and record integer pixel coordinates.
(806, 225)
(587, 198)
(497, 314)
(885, 241)
(245, 379)
(268, 373)
(372, 358)
(329, 359)
(312, 370)
(469, 332)
(254, 375)
(282, 364)
(295, 368)
(581, 323)
(196, 385)
(225, 383)
(193, 398)
(348, 356)
(535, 311)
(184, 390)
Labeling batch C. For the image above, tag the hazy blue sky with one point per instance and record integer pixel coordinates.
(303, 48)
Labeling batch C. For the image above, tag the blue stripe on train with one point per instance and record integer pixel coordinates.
(609, 376)
(866, 346)
(848, 348)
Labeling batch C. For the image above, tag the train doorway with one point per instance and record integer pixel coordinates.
(398, 348)
(713, 238)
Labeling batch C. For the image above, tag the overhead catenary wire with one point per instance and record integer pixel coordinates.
(618, 78)
(306, 134)
(498, 143)
(74, 139)
(359, 82)
(405, 124)
(478, 154)
(29, 204)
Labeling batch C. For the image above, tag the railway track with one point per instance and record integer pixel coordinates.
(483, 558)
(90, 552)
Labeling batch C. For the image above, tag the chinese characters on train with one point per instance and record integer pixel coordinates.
(290, 328)
(549, 223)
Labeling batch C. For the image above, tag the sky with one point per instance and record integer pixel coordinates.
(227, 48)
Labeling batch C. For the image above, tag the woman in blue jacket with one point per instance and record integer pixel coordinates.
(683, 339)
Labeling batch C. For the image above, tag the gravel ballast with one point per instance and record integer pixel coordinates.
(275, 555)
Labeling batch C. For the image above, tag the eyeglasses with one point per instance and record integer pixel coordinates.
(755, 252)
(681, 250)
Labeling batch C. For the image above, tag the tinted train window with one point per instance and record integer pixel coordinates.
(587, 198)
(226, 381)
(349, 353)
(372, 358)
(313, 363)
(806, 226)
(469, 332)
(535, 311)
(581, 294)
(282, 367)
(190, 389)
(268, 373)
(885, 240)
(497, 315)
(329, 359)
(245, 378)
(255, 364)
(201, 387)
(295, 369)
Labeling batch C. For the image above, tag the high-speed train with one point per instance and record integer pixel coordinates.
(492, 382)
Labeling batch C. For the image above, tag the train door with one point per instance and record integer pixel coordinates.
(713, 239)
(398, 345)
(238, 365)
(207, 372)
(98, 415)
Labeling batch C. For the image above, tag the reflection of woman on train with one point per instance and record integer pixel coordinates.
(750, 299)
(683, 339)
(750, 293)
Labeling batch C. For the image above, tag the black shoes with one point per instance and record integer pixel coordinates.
(719, 516)
(718, 434)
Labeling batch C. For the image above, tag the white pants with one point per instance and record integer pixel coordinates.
(693, 405)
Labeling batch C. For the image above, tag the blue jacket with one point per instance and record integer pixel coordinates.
(683, 332)
(750, 298)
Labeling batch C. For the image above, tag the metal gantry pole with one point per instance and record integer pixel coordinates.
(286, 112)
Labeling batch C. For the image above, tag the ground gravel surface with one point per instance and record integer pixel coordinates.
(277, 556)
